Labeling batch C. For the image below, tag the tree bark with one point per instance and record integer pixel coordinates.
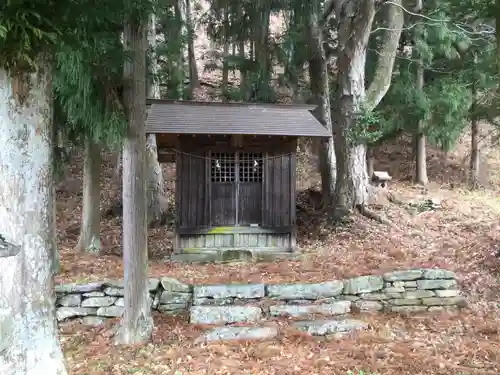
(225, 55)
(194, 81)
(180, 15)
(155, 188)
(355, 19)
(91, 215)
(29, 342)
(320, 89)
(474, 155)
(243, 71)
(419, 136)
(261, 53)
(137, 323)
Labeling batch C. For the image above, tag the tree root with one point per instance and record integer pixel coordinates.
(391, 198)
(375, 216)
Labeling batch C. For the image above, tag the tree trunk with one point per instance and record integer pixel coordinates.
(137, 323)
(262, 56)
(193, 69)
(180, 15)
(243, 72)
(225, 55)
(419, 136)
(370, 162)
(155, 188)
(320, 89)
(474, 155)
(91, 214)
(29, 343)
(355, 19)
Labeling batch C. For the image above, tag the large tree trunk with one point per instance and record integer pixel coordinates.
(91, 215)
(355, 19)
(320, 89)
(137, 323)
(155, 188)
(29, 343)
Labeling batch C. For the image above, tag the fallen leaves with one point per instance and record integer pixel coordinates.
(462, 236)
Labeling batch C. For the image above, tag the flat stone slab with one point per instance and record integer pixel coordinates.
(433, 273)
(436, 284)
(247, 291)
(70, 300)
(224, 314)
(305, 291)
(170, 284)
(230, 255)
(329, 327)
(297, 311)
(363, 284)
(407, 275)
(239, 333)
(78, 288)
(63, 313)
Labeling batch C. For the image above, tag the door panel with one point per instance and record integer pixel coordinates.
(223, 189)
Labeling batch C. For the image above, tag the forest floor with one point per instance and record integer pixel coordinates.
(462, 235)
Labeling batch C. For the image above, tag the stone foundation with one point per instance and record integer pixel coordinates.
(407, 291)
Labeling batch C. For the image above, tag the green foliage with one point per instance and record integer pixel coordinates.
(171, 67)
(370, 126)
(27, 28)
(449, 110)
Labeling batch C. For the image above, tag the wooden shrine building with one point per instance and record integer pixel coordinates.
(235, 174)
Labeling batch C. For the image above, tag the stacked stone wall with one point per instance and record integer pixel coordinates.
(405, 291)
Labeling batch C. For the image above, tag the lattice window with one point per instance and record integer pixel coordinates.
(223, 167)
(250, 167)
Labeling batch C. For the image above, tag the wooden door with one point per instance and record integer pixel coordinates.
(223, 189)
(236, 188)
(249, 188)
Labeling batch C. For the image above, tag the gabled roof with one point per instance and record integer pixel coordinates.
(190, 117)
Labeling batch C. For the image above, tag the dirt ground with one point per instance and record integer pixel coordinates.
(461, 235)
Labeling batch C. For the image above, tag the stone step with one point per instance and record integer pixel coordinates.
(231, 255)
(313, 328)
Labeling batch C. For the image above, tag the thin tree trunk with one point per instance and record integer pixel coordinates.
(320, 88)
(91, 215)
(474, 155)
(225, 55)
(355, 19)
(180, 15)
(262, 56)
(29, 343)
(194, 81)
(243, 72)
(419, 136)
(137, 323)
(155, 187)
